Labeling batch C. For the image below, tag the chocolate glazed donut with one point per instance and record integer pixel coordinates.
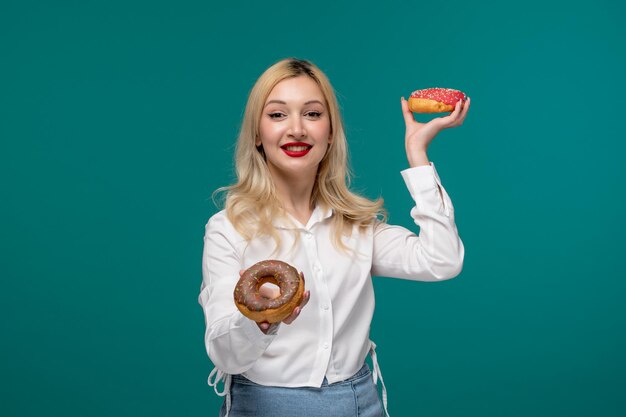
(258, 308)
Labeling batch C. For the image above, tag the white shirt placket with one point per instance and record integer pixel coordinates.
(325, 311)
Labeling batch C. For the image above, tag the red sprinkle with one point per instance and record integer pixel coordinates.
(444, 95)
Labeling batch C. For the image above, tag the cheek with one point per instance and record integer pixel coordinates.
(260, 138)
(326, 132)
(269, 132)
(320, 129)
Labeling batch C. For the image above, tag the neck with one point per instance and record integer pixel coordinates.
(295, 195)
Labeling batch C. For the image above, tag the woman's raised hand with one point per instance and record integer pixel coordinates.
(419, 135)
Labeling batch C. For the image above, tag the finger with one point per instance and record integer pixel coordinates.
(305, 298)
(461, 115)
(307, 294)
(408, 115)
(457, 109)
(296, 311)
(241, 271)
(466, 106)
(268, 290)
(293, 316)
(451, 119)
(265, 292)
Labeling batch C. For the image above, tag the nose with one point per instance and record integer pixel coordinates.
(296, 129)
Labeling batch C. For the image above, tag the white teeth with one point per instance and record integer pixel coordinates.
(296, 148)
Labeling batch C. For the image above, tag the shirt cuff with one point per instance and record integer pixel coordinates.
(425, 187)
(255, 335)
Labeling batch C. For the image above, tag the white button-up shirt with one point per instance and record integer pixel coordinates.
(330, 338)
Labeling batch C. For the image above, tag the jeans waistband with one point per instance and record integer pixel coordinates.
(365, 370)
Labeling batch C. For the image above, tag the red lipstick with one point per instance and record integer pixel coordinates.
(296, 149)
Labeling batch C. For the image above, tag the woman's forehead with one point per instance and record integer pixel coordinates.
(300, 89)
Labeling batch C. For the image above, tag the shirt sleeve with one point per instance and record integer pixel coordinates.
(233, 341)
(437, 253)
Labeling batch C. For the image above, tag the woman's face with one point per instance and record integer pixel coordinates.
(295, 127)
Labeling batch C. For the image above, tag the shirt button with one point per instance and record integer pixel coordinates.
(308, 235)
(325, 345)
(325, 307)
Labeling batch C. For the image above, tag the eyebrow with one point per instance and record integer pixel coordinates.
(282, 102)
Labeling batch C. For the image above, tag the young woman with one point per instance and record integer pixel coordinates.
(291, 202)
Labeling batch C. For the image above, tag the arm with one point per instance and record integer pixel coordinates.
(438, 252)
(233, 342)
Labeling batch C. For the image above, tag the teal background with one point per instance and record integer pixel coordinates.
(117, 121)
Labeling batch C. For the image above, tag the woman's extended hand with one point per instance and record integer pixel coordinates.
(273, 292)
(265, 326)
(419, 135)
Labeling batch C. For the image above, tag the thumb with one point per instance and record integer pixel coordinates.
(406, 113)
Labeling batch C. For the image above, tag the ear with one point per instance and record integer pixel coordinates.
(257, 141)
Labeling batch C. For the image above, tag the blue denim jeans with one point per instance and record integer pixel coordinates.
(355, 397)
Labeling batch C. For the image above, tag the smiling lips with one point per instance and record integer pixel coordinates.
(296, 149)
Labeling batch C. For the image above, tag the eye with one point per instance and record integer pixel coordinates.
(314, 114)
(275, 115)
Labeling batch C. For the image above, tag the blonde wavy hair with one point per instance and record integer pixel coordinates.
(252, 203)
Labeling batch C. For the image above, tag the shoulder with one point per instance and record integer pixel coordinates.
(221, 224)
(221, 235)
(218, 218)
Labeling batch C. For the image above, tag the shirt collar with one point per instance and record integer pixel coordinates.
(319, 214)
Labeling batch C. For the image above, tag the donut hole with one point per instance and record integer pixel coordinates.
(268, 288)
